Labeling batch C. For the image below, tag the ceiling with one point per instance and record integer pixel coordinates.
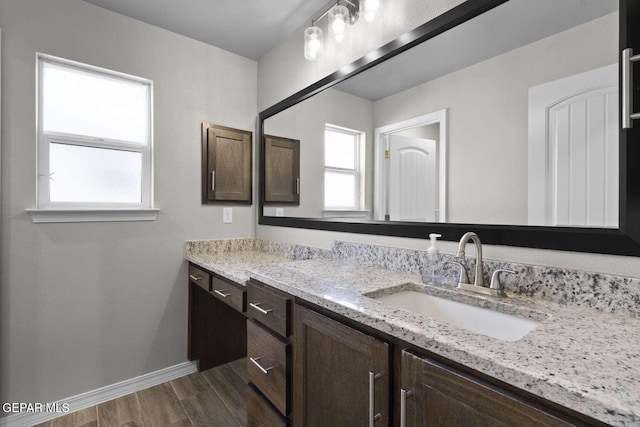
(507, 27)
(250, 28)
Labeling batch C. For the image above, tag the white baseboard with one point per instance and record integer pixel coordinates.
(104, 394)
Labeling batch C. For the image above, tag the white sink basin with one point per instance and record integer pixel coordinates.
(503, 326)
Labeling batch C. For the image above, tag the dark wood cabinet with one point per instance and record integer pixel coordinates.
(281, 170)
(433, 394)
(217, 332)
(226, 165)
(314, 367)
(340, 375)
(269, 353)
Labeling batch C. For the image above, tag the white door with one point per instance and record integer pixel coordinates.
(573, 150)
(412, 179)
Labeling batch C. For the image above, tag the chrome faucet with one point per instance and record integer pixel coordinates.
(463, 283)
(479, 279)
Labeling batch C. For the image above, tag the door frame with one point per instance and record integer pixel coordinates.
(380, 182)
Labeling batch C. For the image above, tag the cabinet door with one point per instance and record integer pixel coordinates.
(281, 170)
(226, 168)
(437, 395)
(217, 332)
(340, 375)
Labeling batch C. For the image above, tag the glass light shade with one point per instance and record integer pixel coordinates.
(313, 43)
(371, 8)
(338, 20)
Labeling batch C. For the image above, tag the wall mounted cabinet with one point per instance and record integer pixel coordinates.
(226, 165)
(281, 170)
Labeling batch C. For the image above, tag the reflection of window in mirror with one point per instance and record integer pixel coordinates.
(343, 169)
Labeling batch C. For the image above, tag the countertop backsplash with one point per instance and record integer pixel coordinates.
(608, 293)
(288, 250)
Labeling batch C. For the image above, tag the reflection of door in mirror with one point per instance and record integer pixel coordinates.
(411, 169)
(573, 150)
(412, 178)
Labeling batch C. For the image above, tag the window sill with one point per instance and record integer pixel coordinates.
(345, 213)
(39, 216)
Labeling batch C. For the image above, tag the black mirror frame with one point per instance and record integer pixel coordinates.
(624, 240)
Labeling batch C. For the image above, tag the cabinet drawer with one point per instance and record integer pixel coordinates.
(261, 413)
(269, 308)
(228, 293)
(199, 277)
(267, 365)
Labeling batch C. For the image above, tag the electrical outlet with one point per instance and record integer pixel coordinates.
(279, 211)
(227, 215)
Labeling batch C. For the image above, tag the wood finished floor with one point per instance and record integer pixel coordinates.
(210, 398)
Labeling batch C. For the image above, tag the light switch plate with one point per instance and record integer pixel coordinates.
(227, 215)
(279, 211)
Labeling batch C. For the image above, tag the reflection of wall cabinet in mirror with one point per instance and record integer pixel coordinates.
(226, 165)
(281, 170)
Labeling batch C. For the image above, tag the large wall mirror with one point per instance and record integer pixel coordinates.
(499, 116)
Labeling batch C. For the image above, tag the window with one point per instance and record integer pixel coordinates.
(343, 169)
(94, 141)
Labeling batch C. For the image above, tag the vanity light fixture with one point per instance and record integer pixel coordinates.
(371, 8)
(340, 13)
(313, 47)
(338, 18)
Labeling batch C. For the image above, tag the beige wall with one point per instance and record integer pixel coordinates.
(488, 117)
(284, 71)
(306, 122)
(87, 305)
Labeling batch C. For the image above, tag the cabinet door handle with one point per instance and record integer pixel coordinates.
(194, 278)
(298, 186)
(222, 294)
(213, 180)
(255, 362)
(373, 416)
(260, 309)
(628, 58)
(403, 406)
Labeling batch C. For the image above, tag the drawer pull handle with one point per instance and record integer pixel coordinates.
(255, 362)
(222, 294)
(403, 406)
(194, 278)
(260, 309)
(373, 416)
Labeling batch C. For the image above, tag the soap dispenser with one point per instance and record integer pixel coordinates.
(435, 262)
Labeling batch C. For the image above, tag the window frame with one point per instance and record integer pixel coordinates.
(357, 172)
(44, 139)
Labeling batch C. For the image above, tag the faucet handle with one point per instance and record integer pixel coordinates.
(464, 277)
(495, 278)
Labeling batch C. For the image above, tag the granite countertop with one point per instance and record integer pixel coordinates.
(578, 357)
(233, 265)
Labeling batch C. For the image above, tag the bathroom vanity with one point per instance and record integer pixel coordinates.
(323, 341)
